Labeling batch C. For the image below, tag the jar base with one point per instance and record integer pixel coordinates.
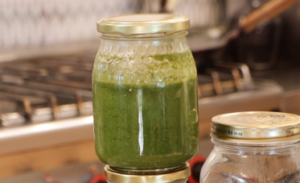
(149, 171)
(179, 176)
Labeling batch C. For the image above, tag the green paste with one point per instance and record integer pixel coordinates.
(146, 123)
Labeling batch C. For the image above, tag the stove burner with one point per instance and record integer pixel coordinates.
(223, 79)
(47, 89)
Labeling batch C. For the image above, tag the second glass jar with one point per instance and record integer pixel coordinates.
(254, 147)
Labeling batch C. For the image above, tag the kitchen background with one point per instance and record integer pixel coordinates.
(46, 55)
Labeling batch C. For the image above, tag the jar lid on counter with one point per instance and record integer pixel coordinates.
(256, 127)
(116, 177)
(143, 24)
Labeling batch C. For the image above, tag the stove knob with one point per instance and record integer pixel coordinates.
(99, 178)
(49, 179)
(196, 165)
(94, 169)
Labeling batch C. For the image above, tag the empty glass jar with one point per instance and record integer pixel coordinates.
(254, 147)
(145, 94)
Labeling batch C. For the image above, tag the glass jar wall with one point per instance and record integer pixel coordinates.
(145, 96)
(235, 163)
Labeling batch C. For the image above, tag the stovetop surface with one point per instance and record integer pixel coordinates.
(83, 172)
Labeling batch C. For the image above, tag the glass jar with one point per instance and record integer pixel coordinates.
(145, 94)
(254, 147)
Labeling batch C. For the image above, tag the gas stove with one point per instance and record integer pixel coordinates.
(46, 101)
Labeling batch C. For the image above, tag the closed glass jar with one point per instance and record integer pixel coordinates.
(145, 94)
(254, 147)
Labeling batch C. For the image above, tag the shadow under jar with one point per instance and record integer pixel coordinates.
(145, 94)
(254, 147)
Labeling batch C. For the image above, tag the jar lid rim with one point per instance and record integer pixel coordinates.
(256, 125)
(143, 24)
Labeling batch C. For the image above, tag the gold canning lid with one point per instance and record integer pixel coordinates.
(116, 177)
(143, 24)
(256, 127)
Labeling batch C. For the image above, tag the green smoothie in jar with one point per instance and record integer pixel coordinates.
(145, 103)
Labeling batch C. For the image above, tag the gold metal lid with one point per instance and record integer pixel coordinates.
(143, 24)
(116, 177)
(256, 126)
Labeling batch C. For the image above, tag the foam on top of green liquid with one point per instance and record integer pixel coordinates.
(149, 69)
